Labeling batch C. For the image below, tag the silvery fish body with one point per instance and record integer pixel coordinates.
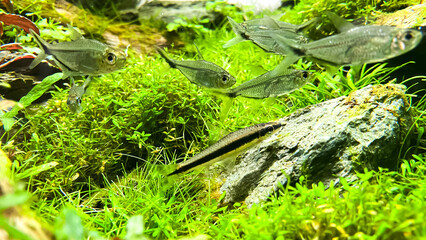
(264, 40)
(268, 23)
(356, 45)
(201, 72)
(80, 56)
(260, 32)
(270, 84)
(75, 96)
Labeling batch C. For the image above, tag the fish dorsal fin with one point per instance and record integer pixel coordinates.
(238, 30)
(309, 24)
(199, 53)
(270, 22)
(340, 23)
(74, 35)
(277, 17)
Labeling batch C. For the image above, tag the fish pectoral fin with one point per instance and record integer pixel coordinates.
(86, 82)
(330, 69)
(233, 41)
(286, 46)
(40, 57)
(355, 74)
(340, 23)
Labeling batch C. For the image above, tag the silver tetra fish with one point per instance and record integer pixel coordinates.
(228, 146)
(271, 84)
(260, 32)
(75, 96)
(354, 45)
(80, 56)
(201, 72)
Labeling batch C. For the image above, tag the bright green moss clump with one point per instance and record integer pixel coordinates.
(102, 163)
(139, 111)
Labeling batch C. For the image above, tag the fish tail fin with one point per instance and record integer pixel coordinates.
(227, 96)
(229, 93)
(43, 46)
(238, 30)
(167, 170)
(166, 57)
(226, 106)
(163, 172)
(287, 47)
(308, 25)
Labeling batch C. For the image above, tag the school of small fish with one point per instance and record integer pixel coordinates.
(352, 46)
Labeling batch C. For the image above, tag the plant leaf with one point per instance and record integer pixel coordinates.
(2, 65)
(33, 95)
(8, 5)
(10, 46)
(20, 21)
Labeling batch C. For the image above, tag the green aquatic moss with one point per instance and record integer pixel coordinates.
(306, 9)
(102, 164)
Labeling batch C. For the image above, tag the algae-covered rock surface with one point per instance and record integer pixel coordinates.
(326, 142)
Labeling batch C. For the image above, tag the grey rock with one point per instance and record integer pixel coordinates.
(324, 142)
(168, 10)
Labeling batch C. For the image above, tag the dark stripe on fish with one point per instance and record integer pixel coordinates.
(228, 144)
(63, 65)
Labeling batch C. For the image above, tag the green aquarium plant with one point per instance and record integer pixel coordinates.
(95, 175)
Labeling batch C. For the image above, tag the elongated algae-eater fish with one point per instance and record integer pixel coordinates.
(229, 145)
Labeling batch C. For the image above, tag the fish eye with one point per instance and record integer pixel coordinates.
(111, 58)
(408, 36)
(224, 78)
(78, 100)
(305, 75)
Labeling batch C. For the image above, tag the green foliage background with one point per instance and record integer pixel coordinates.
(93, 171)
